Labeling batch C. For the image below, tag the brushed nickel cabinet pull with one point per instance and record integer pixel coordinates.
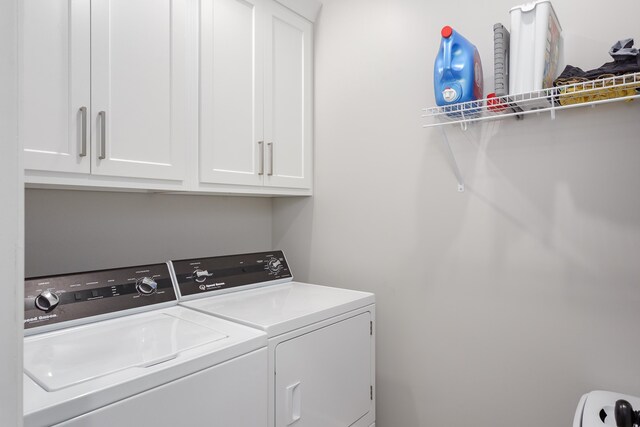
(261, 169)
(83, 132)
(103, 135)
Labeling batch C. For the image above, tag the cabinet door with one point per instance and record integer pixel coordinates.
(55, 84)
(288, 103)
(231, 92)
(139, 88)
(323, 378)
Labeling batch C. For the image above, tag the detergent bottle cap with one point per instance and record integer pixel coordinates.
(446, 31)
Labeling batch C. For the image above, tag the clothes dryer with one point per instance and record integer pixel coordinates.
(112, 348)
(321, 339)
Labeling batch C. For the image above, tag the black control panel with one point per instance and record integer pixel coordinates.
(54, 299)
(196, 276)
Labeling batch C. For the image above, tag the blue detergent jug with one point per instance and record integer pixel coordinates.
(457, 74)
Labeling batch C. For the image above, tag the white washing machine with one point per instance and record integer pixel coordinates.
(321, 339)
(597, 409)
(113, 348)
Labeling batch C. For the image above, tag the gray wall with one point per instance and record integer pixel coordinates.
(70, 231)
(11, 223)
(499, 306)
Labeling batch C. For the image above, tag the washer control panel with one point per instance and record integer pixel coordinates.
(196, 276)
(61, 298)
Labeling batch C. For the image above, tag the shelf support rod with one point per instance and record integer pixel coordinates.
(456, 170)
(553, 105)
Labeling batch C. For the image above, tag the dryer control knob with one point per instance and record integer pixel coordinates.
(201, 275)
(274, 265)
(47, 301)
(146, 286)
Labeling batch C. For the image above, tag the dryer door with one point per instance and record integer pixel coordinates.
(323, 378)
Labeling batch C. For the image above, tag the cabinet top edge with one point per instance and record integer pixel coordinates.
(306, 8)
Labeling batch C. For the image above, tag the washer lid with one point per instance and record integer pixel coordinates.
(278, 309)
(69, 357)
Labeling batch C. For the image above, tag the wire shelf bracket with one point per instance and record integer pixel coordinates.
(454, 163)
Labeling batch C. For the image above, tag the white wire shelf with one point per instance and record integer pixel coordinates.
(592, 92)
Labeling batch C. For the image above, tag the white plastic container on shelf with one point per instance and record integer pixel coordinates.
(535, 48)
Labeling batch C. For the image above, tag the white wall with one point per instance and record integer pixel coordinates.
(499, 306)
(69, 231)
(11, 224)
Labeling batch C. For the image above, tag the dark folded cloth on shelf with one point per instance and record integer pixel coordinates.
(626, 61)
(615, 79)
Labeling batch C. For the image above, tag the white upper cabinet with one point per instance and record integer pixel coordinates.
(288, 111)
(231, 92)
(103, 88)
(210, 96)
(55, 85)
(138, 88)
(255, 95)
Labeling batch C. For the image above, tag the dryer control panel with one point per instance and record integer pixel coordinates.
(197, 276)
(61, 298)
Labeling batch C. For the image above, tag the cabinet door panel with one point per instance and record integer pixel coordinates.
(138, 70)
(288, 114)
(55, 84)
(231, 92)
(323, 378)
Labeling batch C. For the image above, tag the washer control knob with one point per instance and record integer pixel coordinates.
(47, 301)
(274, 265)
(201, 275)
(146, 286)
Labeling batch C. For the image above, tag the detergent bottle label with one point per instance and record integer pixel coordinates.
(477, 73)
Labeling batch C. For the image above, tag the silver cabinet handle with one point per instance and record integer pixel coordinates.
(83, 132)
(261, 168)
(103, 135)
(270, 145)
